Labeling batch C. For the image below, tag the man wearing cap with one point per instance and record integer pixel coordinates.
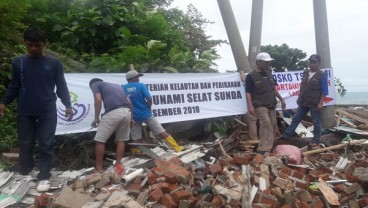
(142, 103)
(313, 90)
(116, 118)
(261, 96)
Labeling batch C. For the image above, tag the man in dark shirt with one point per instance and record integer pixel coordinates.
(116, 118)
(261, 100)
(34, 78)
(313, 90)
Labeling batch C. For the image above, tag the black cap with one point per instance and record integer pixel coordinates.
(315, 57)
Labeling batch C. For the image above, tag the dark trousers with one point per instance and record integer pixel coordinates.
(43, 128)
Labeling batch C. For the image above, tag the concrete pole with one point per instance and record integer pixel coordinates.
(236, 43)
(255, 31)
(321, 32)
(323, 49)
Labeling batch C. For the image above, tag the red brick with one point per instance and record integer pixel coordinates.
(216, 169)
(297, 174)
(176, 160)
(167, 201)
(302, 204)
(266, 199)
(151, 178)
(158, 170)
(163, 186)
(224, 162)
(132, 187)
(267, 191)
(170, 176)
(286, 170)
(301, 184)
(314, 175)
(258, 159)
(234, 203)
(352, 178)
(218, 201)
(363, 202)
(326, 156)
(325, 169)
(181, 195)
(324, 176)
(339, 187)
(286, 206)
(41, 201)
(241, 160)
(155, 195)
(360, 163)
(172, 187)
(318, 203)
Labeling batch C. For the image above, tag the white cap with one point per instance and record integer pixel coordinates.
(132, 73)
(264, 57)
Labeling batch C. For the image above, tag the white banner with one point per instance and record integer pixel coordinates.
(288, 85)
(176, 97)
(179, 97)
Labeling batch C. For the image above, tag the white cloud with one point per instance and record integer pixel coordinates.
(291, 22)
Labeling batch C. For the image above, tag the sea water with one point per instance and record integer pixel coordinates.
(352, 98)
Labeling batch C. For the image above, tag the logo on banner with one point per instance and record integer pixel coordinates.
(80, 111)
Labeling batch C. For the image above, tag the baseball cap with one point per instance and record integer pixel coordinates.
(264, 57)
(315, 57)
(132, 73)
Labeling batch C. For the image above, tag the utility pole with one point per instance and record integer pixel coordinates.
(255, 31)
(321, 32)
(236, 43)
(323, 49)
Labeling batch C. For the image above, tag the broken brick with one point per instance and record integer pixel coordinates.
(155, 195)
(168, 201)
(181, 195)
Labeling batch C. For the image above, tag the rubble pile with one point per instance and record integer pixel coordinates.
(223, 173)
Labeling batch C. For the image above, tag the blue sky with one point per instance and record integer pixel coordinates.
(291, 22)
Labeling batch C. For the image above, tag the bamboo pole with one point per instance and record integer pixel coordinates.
(338, 146)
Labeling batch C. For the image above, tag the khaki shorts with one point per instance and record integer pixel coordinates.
(153, 125)
(117, 121)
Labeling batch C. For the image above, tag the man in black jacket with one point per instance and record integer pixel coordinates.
(261, 96)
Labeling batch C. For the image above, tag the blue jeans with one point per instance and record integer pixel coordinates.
(299, 115)
(42, 127)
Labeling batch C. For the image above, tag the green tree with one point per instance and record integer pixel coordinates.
(111, 34)
(11, 13)
(286, 58)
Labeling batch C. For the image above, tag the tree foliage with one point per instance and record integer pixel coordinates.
(11, 14)
(286, 58)
(111, 34)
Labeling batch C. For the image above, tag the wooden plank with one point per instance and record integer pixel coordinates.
(350, 115)
(328, 193)
(338, 146)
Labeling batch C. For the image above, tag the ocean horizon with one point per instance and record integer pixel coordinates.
(352, 98)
